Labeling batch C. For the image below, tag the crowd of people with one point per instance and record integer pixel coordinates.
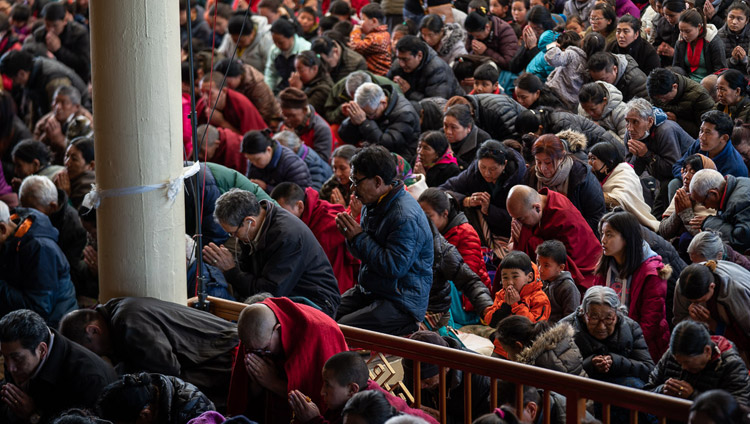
(567, 179)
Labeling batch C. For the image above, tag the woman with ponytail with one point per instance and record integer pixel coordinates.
(717, 293)
(699, 51)
(311, 76)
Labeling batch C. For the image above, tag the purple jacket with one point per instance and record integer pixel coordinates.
(623, 7)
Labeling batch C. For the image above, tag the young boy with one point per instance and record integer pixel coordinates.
(557, 283)
(521, 294)
(485, 79)
(344, 375)
(372, 40)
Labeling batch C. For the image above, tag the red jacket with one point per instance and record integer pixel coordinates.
(320, 217)
(562, 221)
(309, 337)
(648, 291)
(228, 151)
(466, 240)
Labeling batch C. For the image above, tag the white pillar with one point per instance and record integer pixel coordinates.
(135, 51)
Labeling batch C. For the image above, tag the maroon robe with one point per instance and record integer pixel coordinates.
(240, 112)
(228, 151)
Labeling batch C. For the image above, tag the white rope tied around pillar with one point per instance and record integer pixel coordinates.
(94, 198)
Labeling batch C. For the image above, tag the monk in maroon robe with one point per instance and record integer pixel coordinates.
(549, 215)
(283, 347)
(222, 146)
(233, 111)
(320, 217)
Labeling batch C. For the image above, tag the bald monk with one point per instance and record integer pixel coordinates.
(548, 215)
(283, 347)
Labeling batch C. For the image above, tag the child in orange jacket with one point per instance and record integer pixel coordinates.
(372, 40)
(521, 294)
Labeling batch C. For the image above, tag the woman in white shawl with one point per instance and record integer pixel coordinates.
(620, 184)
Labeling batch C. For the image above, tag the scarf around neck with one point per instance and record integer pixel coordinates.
(559, 181)
(694, 54)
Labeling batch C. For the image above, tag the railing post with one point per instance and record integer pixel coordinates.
(443, 396)
(467, 397)
(519, 399)
(575, 408)
(417, 384)
(547, 406)
(493, 393)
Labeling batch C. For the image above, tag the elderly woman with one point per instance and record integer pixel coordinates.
(482, 188)
(716, 293)
(708, 246)
(731, 95)
(677, 218)
(560, 171)
(620, 184)
(696, 363)
(337, 188)
(611, 344)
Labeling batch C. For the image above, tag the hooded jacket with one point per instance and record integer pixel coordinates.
(568, 77)
(733, 217)
(285, 166)
(732, 297)
(630, 80)
(397, 129)
(502, 43)
(452, 44)
(665, 142)
(256, 54)
(555, 350)
(613, 115)
(641, 51)
(471, 180)
(495, 113)
(34, 272)
(45, 77)
(732, 40)
(690, 102)
(725, 370)
(648, 291)
(626, 346)
(539, 65)
(432, 78)
(713, 53)
(286, 260)
(397, 251)
(448, 266)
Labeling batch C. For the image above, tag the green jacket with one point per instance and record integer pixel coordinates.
(338, 96)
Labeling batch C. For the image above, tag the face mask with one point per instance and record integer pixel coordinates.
(599, 174)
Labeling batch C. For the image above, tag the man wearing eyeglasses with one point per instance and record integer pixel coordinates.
(730, 196)
(394, 243)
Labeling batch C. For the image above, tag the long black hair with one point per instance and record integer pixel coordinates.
(632, 233)
(440, 202)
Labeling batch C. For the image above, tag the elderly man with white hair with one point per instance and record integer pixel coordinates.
(40, 193)
(708, 246)
(730, 196)
(34, 273)
(654, 144)
(379, 116)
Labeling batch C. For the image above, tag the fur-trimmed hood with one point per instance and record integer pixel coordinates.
(555, 350)
(574, 141)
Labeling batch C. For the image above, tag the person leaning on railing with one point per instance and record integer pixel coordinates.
(697, 362)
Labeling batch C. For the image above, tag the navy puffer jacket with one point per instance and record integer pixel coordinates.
(496, 114)
(285, 166)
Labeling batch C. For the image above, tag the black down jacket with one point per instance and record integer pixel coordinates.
(432, 78)
(397, 130)
(496, 114)
(626, 346)
(448, 266)
(179, 401)
(557, 121)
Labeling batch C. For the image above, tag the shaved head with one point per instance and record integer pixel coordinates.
(525, 205)
(255, 325)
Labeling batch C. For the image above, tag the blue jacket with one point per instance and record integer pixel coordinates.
(320, 171)
(34, 273)
(538, 65)
(728, 162)
(285, 166)
(396, 251)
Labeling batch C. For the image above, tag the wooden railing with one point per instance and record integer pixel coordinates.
(576, 389)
